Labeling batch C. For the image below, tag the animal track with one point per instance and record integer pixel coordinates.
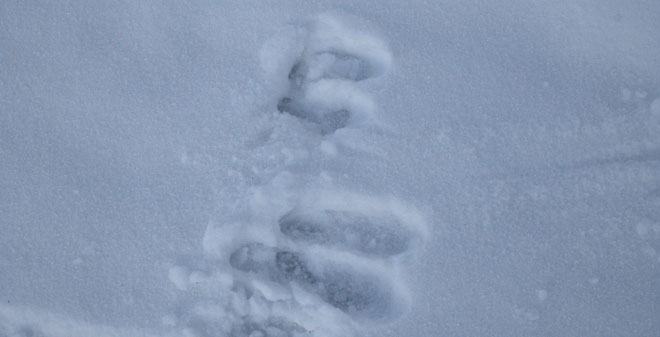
(380, 235)
(331, 64)
(327, 120)
(320, 72)
(295, 252)
(358, 293)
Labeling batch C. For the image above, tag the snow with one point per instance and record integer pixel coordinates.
(500, 160)
(655, 107)
(542, 295)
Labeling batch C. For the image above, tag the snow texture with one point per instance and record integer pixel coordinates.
(329, 168)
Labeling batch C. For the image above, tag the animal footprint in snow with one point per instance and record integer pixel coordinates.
(333, 64)
(336, 252)
(359, 292)
(322, 87)
(342, 252)
(379, 235)
(296, 252)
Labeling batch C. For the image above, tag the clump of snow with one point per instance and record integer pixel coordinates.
(649, 251)
(333, 33)
(643, 228)
(179, 276)
(542, 295)
(626, 94)
(655, 107)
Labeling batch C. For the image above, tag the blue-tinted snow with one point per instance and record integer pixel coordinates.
(529, 131)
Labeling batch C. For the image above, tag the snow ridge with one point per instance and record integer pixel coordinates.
(299, 254)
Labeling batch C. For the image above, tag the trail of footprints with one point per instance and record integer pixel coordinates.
(345, 252)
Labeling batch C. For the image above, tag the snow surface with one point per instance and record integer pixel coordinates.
(438, 168)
